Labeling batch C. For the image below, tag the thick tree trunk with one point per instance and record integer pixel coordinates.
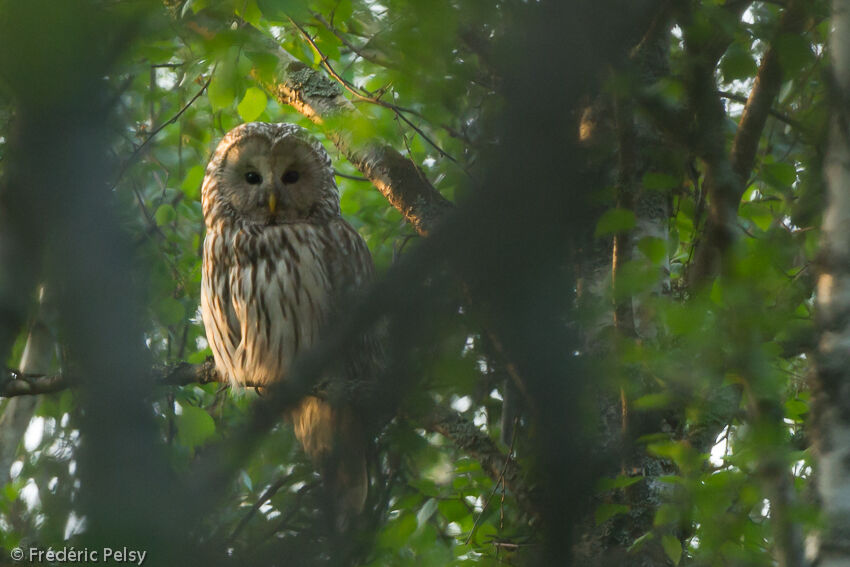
(831, 431)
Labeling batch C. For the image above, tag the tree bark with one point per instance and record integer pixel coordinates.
(831, 412)
(397, 178)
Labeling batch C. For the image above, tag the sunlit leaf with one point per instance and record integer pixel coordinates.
(191, 185)
(252, 105)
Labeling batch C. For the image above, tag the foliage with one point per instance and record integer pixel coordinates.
(713, 371)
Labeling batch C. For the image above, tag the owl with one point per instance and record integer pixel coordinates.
(277, 260)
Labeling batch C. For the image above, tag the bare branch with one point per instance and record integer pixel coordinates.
(781, 116)
(137, 152)
(15, 383)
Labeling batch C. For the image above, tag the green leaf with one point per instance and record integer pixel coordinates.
(659, 181)
(194, 426)
(279, 9)
(758, 213)
(780, 175)
(665, 515)
(11, 490)
(615, 220)
(194, 5)
(672, 547)
(622, 481)
(426, 511)
(252, 105)
(249, 11)
(653, 401)
(170, 311)
(737, 64)
(397, 532)
(794, 53)
(222, 89)
(453, 510)
(716, 294)
(653, 248)
(795, 408)
(606, 511)
(165, 214)
(641, 541)
(264, 65)
(246, 479)
(192, 182)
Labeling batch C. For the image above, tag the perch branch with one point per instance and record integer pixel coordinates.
(318, 98)
(15, 383)
(366, 96)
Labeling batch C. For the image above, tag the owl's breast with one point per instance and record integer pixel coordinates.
(281, 293)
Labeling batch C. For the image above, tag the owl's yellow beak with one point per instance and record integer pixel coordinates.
(272, 203)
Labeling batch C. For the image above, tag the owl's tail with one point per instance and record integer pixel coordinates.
(334, 440)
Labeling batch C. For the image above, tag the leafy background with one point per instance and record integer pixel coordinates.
(714, 374)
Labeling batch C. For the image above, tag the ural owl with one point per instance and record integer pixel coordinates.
(277, 258)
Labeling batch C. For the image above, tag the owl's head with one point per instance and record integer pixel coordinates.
(269, 174)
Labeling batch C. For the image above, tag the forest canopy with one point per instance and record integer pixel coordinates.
(612, 245)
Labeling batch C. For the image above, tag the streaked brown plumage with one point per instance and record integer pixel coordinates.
(277, 258)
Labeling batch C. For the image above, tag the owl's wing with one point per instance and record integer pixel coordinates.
(350, 269)
(217, 310)
(349, 262)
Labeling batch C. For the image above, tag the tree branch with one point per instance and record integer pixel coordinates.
(320, 99)
(450, 424)
(781, 116)
(137, 152)
(478, 445)
(726, 176)
(760, 102)
(16, 383)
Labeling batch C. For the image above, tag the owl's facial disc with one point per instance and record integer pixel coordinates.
(272, 183)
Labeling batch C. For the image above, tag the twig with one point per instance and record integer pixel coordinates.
(15, 383)
(383, 63)
(357, 50)
(782, 117)
(265, 497)
(368, 97)
(352, 177)
(135, 155)
(499, 482)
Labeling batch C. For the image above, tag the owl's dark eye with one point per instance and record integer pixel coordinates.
(290, 176)
(253, 178)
